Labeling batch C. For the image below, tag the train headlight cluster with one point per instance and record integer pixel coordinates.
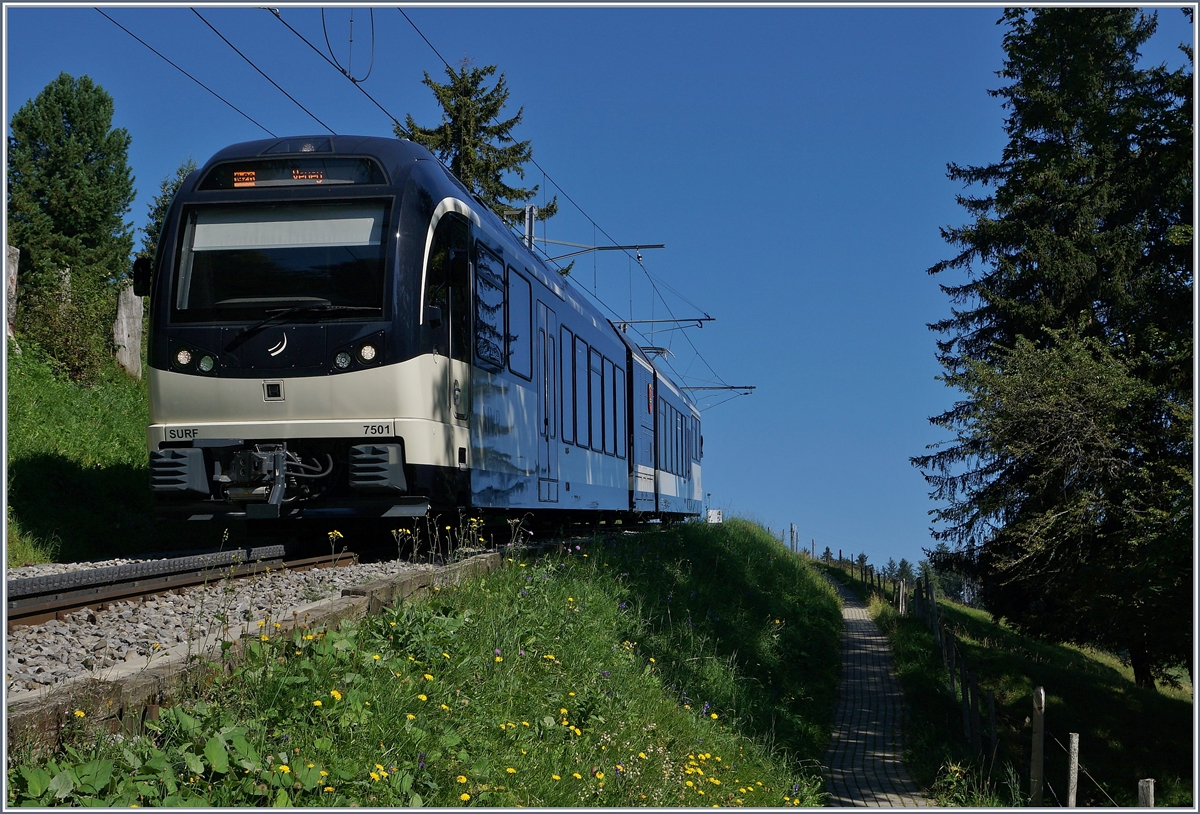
(192, 360)
(367, 352)
(342, 360)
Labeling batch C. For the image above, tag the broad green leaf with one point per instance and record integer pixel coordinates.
(38, 780)
(62, 784)
(194, 763)
(218, 757)
(281, 799)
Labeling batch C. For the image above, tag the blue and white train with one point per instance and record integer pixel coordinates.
(340, 329)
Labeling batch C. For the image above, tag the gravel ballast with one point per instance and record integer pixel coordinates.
(96, 642)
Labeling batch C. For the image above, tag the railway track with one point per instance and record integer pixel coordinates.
(35, 600)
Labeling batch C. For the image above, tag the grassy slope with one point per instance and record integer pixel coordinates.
(692, 666)
(1126, 733)
(77, 469)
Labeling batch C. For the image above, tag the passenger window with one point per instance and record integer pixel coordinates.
(567, 346)
(489, 309)
(610, 411)
(520, 352)
(619, 408)
(583, 428)
(596, 402)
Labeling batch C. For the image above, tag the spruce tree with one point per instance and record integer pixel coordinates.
(69, 189)
(473, 142)
(1067, 481)
(157, 210)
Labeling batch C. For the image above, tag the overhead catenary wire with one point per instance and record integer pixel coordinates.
(595, 225)
(188, 75)
(361, 89)
(263, 73)
(350, 61)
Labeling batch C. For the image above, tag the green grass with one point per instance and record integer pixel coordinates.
(78, 478)
(693, 666)
(1126, 732)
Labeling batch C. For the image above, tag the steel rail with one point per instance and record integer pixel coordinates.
(35, 610)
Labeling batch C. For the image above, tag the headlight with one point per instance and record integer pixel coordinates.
(342, 360)
(183, 357)
(367, 353)
(206, 363)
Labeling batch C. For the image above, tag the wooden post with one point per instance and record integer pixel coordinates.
(127, 331)
(1146, 793)
(1072, 768)
(976, 724)
(995, 738)
(1036, 760)
(965, 688)
(951, 665)
(11, 261)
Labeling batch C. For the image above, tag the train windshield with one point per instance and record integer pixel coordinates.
(244, 262)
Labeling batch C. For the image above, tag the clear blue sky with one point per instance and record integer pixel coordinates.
(791, 159)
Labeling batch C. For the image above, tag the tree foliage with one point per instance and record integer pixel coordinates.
(474, 142)
(1067, 484)
(157, 210)
(69, 189)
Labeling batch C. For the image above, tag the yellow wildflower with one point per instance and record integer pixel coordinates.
(337, 696)
(428, 677)
(316, 703)
(556, 777)
(80, 713)
(464, 797)
(511, 770)
(461, 778)
(422, 697)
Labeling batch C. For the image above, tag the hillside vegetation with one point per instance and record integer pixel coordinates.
(692, 666)
(78, 475)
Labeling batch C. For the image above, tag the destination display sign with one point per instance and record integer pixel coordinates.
(293, 172)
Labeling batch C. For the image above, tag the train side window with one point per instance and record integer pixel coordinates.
(583, 429)
(596, 401)
(567, 347)
(610, 410)
(663, 434)
(489, 309)
(619, 408)
(520, 297)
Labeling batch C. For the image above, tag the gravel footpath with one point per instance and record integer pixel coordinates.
(40, 656)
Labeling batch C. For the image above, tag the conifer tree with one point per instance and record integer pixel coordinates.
(157, 210)
(1067, 483)
(69, 189)
(472, 140)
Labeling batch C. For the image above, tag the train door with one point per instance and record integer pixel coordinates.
(448, 298)
(546, 375)
(642, 464)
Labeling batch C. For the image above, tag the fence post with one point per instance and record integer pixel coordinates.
(1072, 768)
(966, 697)
(1146, 793)
(1035, 763)
(995, 739)
(976, 724)
(951, 666)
